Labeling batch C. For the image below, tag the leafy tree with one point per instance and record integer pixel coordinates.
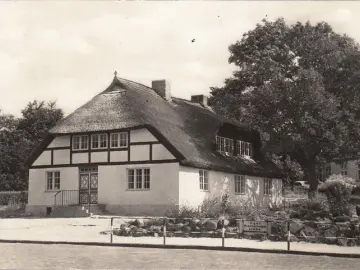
(19, 137)
(297, 84)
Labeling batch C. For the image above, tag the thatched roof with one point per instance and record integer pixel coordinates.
(188, 128)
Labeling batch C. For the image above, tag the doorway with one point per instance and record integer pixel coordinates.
(88, 191)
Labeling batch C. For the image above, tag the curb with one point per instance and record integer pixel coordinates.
(216, 248)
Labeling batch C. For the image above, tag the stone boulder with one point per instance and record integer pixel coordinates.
(178, 226)
(155, 229)
(139, 222)
(210, 225)
(186, 229)
(194, 222)
(296, 226)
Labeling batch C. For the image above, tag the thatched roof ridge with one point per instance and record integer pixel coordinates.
(190, 128)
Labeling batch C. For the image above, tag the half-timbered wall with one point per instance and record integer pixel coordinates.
(142, 146)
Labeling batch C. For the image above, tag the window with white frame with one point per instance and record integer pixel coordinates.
(225, 145)
(138, 179)
(80, 142)
(240, 184)
(53, 180)
(119, 140)
(99, 141)
(344, 169)
(244, 148)
(204, 180)
(267, 186)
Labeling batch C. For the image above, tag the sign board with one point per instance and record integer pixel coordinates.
(255, 226)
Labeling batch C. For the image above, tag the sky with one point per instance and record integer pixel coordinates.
(68, 51)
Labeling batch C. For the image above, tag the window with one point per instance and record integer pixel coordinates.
(119, 140)
(138, 179)
(267, 186)
(240, 184)
(344, 169)
(204, 180)
(244, 149)
(53, 180)
(98, 141)
(80, 142)
(224, 145)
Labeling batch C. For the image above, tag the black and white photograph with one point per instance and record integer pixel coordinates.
(180, 135)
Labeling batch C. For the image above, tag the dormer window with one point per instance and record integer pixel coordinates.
(225, 145)
(244, 149)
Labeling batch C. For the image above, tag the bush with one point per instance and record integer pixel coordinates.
(211, 208)
(183, 211)
(338, 189)
(310, 208)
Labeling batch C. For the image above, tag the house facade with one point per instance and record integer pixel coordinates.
(137, 150)
(349, 168)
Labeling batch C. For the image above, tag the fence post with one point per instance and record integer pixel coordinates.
(62, 198)
(111, 229)
(164, 231)
(268, 225)
(288, 235)
(223, 233)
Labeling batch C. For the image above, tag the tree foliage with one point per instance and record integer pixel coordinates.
(298, 85)
(19, 137)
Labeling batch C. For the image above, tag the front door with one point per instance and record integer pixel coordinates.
(88, 191)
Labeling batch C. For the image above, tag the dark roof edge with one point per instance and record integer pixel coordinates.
(39, 149)
(186, 163)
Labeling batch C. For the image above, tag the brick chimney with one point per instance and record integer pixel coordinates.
(201, 99)
(162, 88)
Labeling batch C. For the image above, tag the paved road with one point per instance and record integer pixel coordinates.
(31, 256)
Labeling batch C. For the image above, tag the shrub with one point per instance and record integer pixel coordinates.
(183, 211)
(337, 189)
(211, 208)
(310, 208)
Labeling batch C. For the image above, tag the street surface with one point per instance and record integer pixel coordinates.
(36, 256)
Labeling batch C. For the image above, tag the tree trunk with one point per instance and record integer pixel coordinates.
(310, 176)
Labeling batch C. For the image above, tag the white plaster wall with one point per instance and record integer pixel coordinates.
(159, 152)
(61, 156)
(139, 152)
(60, 141)
(141, 135)
(352, 169)
(38, 196)
(43, 159)
(163, 193)
(99, 157)
(118, 156)
(80, 158)
(220, 182)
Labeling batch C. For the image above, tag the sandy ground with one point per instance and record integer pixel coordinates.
(88, 230)
(35, 256)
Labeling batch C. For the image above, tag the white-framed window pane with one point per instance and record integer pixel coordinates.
(138, 178)
(76, 142)
(267, 186)
(95, 141)
(203, 180)
(103, 140)
(123, 139)
(49, 181)
(240, 184)
(114, 140)
(57, 180)
(84, 142)
(131, 179)
(146, 178)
